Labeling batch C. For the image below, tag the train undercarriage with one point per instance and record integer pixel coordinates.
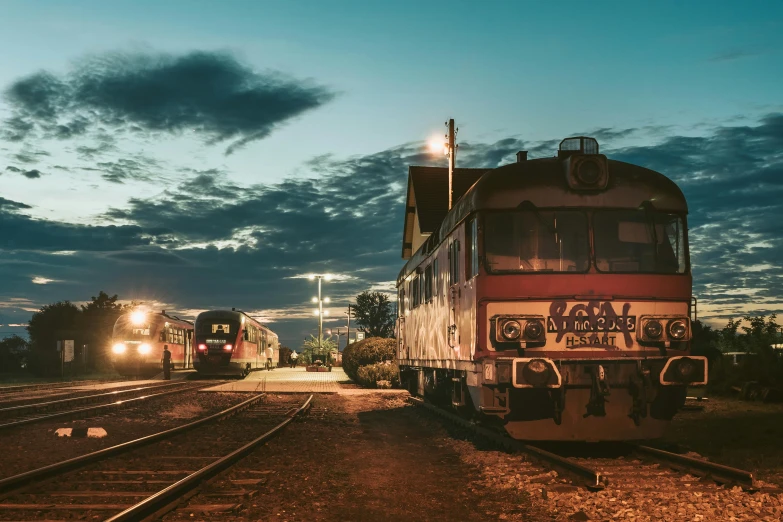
(568, 399)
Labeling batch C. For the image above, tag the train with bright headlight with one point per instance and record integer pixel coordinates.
(230, 342)
(138, 339)
(554, 299)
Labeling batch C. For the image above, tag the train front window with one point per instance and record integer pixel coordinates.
(219, 328)
(536, 241)
(639, 241)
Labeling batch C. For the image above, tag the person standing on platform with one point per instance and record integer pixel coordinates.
(166, 362)
(269, 354)
(294, 356)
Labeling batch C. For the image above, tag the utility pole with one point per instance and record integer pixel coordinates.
(348, 332)
(452, 153)
(320, 316)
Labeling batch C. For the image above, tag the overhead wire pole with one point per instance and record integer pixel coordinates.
(452, 153)
(320, 316)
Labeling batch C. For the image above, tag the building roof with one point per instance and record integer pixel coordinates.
(428, 196)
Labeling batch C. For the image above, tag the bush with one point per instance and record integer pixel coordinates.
(378, 374)
(369, 351)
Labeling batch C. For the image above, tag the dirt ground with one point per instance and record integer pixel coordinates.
(747, 435)
(371, 457)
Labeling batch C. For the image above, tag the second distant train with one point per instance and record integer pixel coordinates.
(233, 343)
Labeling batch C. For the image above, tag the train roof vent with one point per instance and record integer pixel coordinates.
(577, 145)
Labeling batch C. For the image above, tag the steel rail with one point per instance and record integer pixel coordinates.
(10, 484)
(594, 480)
(699, 467)
(87, 398)
(55, 384)
(166, 499)
(99, 407)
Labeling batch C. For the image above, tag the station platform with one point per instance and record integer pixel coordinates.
(287, 380)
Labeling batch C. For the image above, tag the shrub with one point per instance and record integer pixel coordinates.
(369, 351)
(378, 375)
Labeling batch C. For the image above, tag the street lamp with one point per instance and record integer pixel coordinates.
(320, 312)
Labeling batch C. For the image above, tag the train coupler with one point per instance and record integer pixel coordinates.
(599, 390)
(558, 403)
(640, 388)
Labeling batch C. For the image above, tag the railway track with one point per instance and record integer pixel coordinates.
(150, 476)
(633, 465)
(49, 405)
(35, 417)
(35, 392)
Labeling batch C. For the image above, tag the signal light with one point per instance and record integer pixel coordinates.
(511, 330)
(228, 347)
(534, 329)
(678, 329)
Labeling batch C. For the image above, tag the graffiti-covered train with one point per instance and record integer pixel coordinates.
(553, 299)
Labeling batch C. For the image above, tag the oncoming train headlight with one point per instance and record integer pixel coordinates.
(145, 348)
(118, 348)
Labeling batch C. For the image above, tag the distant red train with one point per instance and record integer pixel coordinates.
(233, 343)
(138, 339)
(554, 298)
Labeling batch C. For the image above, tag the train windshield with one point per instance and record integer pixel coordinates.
(536, 241)
(639, 241)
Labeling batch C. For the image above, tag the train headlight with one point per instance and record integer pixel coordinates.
(511, 330)
(685, 368)
(118, 348)
(589, 172)
(536, 372)
(145, 348)
(228, 347)
(678, 329)
(653, 329)
(534, 329)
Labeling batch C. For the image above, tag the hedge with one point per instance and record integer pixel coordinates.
(368, 352)
(379, 375)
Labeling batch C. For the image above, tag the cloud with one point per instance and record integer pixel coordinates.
(32, 174)
(211, 94)
(38, 280)
(208, 242)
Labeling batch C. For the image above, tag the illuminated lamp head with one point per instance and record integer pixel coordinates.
(118, 348)
(145, 348)
(138, 317)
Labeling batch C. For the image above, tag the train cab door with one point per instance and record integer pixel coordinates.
(453, 293)
(188, 348)
(402, 351)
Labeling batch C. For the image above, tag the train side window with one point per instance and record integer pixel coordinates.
(415, 292)
(435, 277)
(428, 284)
(454, 263)
(471, 252)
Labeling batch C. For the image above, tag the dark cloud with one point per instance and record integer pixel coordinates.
(139, 167)
(732, 55)
(32, 174)
(11, 168)
(211, 242)
(30, 156)
(211, 94)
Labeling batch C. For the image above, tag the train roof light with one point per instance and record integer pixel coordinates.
(138, 317)
(578, 145)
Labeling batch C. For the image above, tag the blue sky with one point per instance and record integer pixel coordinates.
(346, 93)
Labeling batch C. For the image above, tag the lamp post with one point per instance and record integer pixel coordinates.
(320, 311)
(449, 149)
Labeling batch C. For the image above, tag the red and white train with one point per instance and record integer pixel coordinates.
(233, 343)
(554, 298)
(138, 339)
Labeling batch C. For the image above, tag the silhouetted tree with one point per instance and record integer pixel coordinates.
(97, 323)
(705, 341)
(46, 327)
(13, 354)
(374, 314)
